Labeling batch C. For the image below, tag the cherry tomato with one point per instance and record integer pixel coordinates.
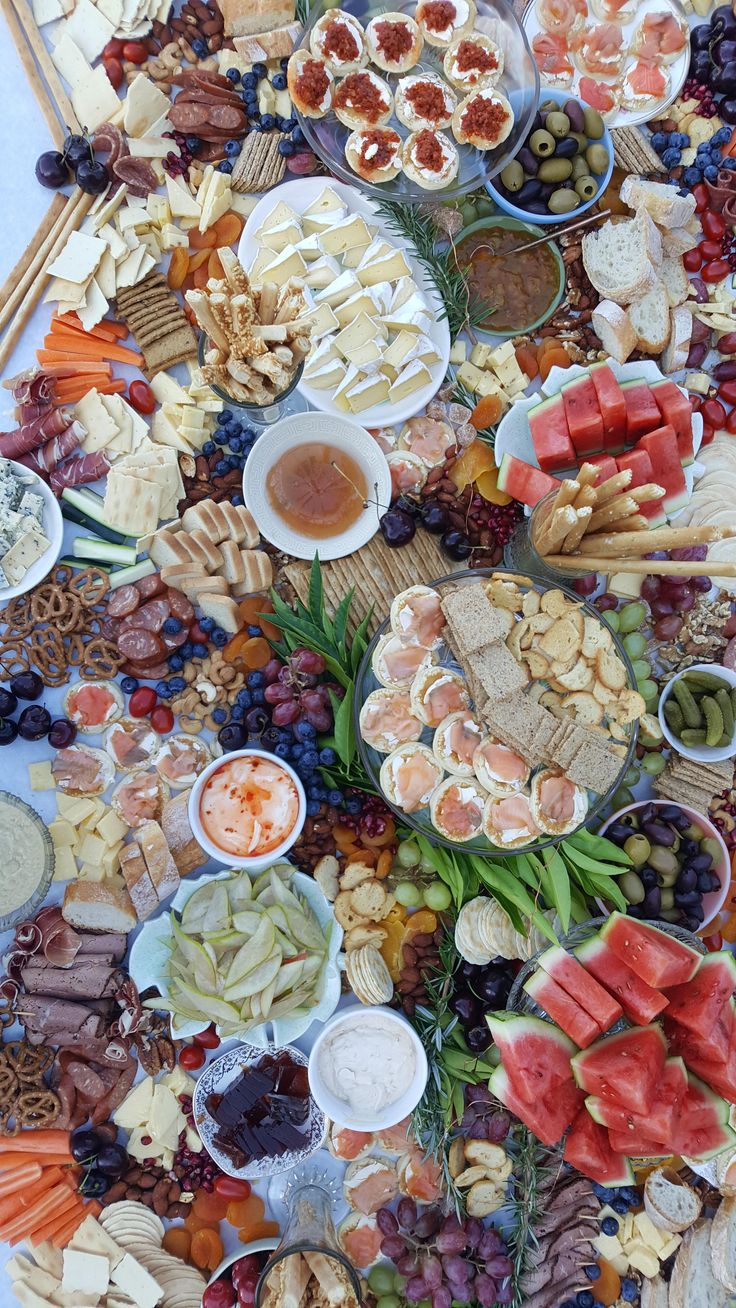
(209, 1039)
(114, 70)
(141, 702)
(162, 719)
(714, 413)
(197, 635)
(727, 392)
(135, 52)
(113, 49)
(141, 397)
(715, 271)
(727, 343)
(696, 403)
(708, 434)
(731, 422)
(191, 1057)
(710, 249)
(230, 1187)
(702, 197)
(692, 259)
(712, 943)
(713, 225)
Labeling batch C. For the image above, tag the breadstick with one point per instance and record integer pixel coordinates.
(53, 81)
(35, 82)
(659, 538)
(644, 494)
(588, 474)
(566, 494)
(614, 486)
(585, 498)
(645, 567)
(574, 537)
(634, 522)
(556, 529)
(18, 281)
(620, 507)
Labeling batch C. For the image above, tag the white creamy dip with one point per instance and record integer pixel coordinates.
(368, 1064)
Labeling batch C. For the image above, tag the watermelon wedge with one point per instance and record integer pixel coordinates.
(640, 464)
(612, 405)
(721, 1077)
(661, 446)
(700, 1126)
(606, 465)
(699, 1003)
(658, 1123)
(534, 1053)
(563, 1009)
(584, 421)
(550, 435)
(642, 413)
(548, 1118)
(675, 410)
(624, 1068)
(581, 986)
(640, 1002)
(654, 956)
(588, 1149)
(712, 1047)
(523, 482)
(642, 1147)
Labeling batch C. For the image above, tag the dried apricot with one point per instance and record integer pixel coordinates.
(256, 652)
(607, 1287)
(196, 260)
(210, 1207)
(558, 358)
(178, 1239)
(487, 411)
(206, 1249)
(386, 837)
(202, 240)
(547, 343)
(214, 267)
(227, 229)
(473, 461)
(194, 1223)
(384, 864)
(487, 486)
(201, 277)
(423, 922)
(527, 360)
(245, 1211)
(250, 610)
(231, 651)
(178, 268)
(259, 1231)
(367, 856)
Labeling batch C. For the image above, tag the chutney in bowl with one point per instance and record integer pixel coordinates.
(522, 290)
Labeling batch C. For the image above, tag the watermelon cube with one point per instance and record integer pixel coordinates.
(625, 1068)
(562, 1008)
(658, 1123)
(661, 446)
(523, 482)
(588, 1150)
(642, 1147)
(700, 1127)
(606, 465)
(675, 409)
(612, 405)
(642, 414)
(584, 421)
(712, 1046)
(641, 469)
(565, 969)
(698, 1004)
(534, 1053)
(550, 435)
(655, 957)
(640, 1002)
(549, 1117)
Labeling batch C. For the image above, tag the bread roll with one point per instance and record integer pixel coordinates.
(483, 119)
(374, 153)
(394, 42)
(310, 84)
(424, 100)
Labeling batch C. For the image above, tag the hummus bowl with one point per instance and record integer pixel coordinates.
(375, 1055)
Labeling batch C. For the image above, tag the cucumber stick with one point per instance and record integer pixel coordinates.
(92, 506)
(102, 551)
(124, 576)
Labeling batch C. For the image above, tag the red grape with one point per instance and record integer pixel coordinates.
(701, 584)
(668, 627)
(271, 671)
(585, 585)
(246, 1294)
(605, 602)
(278, 693)
(407, 1265)
(284, 714)
(441, 1297)
(248, 1266)
(693, 553)
(407, 1213)
(661, 608)
(393, 1247)
(416, 1289)
(650, 589)
(306, 660)
(486, 1290)
(220, 1295)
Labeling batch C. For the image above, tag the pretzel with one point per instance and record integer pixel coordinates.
(8, 1084)
(49, 656)
(37, 1108)
(17, 614)
(13, 658)
(90, 585)
(49, 604)
(27, 1061)
(75, 649)
(102, 659)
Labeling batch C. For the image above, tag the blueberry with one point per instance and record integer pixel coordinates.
(306, 731)
(224, 167)
(327, 757)
(710, 173)
(631, 1195)
(629, 1290)
(209, 448)
(253, 630)
(683, 140)
(729, 163)
(192, 143)
(334, 797)
(249, 433)
(282, 751)
(233, 74)
(659, 141)
(220, 436)
(199, 651)
(236, 444)
(721, 137)
(609, 1226)
(250, 81)
(568, 1303)
(185, 650)
(310, 758)
(353, 806)
(244, 699)
(692, 176)
(219, 637)
(238, 713)
(312, 811)
(278, 82)
(584, 1299)
(286, 147)
(251, 101)
(297, 751)
(237, 500)
(178, 684)
(129, 684)
(289, 124)
(255, 680)
(163, 689)
(268, 122)
(219, 715)
(715, 156)
(620, 1206)
(671, 157)
(233, 148)
(232, 461)
(298, 136)
(259, 698)
(259, 71)
(176, 662)
(592, 1271)
(172, 626)
(200, 49)
(226, 416)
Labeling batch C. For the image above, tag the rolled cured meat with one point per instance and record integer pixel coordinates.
(76, 472)
(35, 433)
(45, 459)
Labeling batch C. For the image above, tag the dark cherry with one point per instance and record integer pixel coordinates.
(8, 703)
(51, 170)
(92, 177)
(456, 545)
(112, 1161)
(62, 734)
(232, 736)
(255, 721)
(406, 505)
(397, 528)
(467, 1008)
(34, 722)
(76, 150)
(434, 517)
(27, 685)
(8, 731)
(94, 1185)
(84, 1144)
(478, 1038)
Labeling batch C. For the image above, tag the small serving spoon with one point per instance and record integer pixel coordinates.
(544, 240)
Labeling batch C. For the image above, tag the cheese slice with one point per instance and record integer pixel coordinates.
(284, 267)
(144, 106)
(114, 241)
(331, 373)
(79, 258)
(89, 29)
(410, 379)
(282, 213)
(389, 269)
(181, 202)
(360, 302)
(131, 504)
(100, 425)
(119, 412)
(152, 147)
(360, 330)
(128, 271)
(319, 322)
(40, 776)
(95, 306)
(217, 202)
(136, 1282)
(109, 208)
(70, 62)
(338, 291)
(322, 222)
(85, 1272)
(62, 832)
(310, 248)
(352, 257)
(95, 100)
(368, 392)
(327, 201)
(171, 236)
(167, 390)
(47, 11)
(344, 235)
(283, 234)
(368, 356)
(322, 273)
(403, 290)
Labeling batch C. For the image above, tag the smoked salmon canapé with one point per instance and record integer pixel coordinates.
(369, 1183)
(509, 822)
(387, 720)
(659, 38)
(247, 807)
(339, 40)
(420, 1176)
(394, 42)
(132, 744)
(181, 759)
(473, 60)
(347, 1144)
(615, 11)
(440, 21)
(560, 17)
(603, 96)
(409, 775)
(456, 809)
(311, 84)
(437, 692)
(93, 705)
(552, 57)
(644, 86)
(424, 100)
(501, 770)
(396, 664)
(599, 49)
(558, 805)
(408, 472)
(360, 1238)
(417, 617)
(455, 741)
(139, 798)
(430, 438)
(82, 770)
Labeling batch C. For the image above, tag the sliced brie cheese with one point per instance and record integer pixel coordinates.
(287, 264)
(338, 291)
(359, 302)
(345, 234)
(389, 268)
(323, 273)
(368, 392)
(327, 201)
(283, 234)
(322, 222)
(410, 379)
(360, 330)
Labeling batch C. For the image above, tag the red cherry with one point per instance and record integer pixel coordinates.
(142, 702)
(692, 259)
(209, 1039)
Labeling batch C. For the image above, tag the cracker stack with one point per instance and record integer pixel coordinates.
(158, 323)
(368, 975)
(693, 784)
(259, 165)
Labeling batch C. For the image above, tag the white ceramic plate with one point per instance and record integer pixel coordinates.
(342, 434)
(149, 955)
(53, 528)
(299, 195)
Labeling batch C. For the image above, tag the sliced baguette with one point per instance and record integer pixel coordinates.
(654, 1293)
(650, 319)
(617, 260)
(238, 527)
(651, 235)
(165, 549)
(198, 547)
(675, 280)
(221, 608)
(723, 1244)
(674, 355)
(251, 535)
(258, 572)
(694, 1283)
(671, 1204)
(137, 879)
(667, 207)
(232, 566)
(185, 851)
(161, 866)
(612, 326)
(676, 241)
(96, 906)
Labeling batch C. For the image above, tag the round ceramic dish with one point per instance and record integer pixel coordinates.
(698, 753)
(221, 1074)
(261, 861)
(52, 526)
(519, 82)
(715, 899)
(551, 219)
(372, 759)
(336, 1109)
(518, 225)
(252, 1247)
(12, 869)
(343, 435)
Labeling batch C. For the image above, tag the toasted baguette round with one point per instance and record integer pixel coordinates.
(347, 100)
(300, 75)
(469, 46)
(323, 41)
(431, 146)
(385, 28)
(482, 138)
(617, 260)
(430, 14)
(671, 1204)
(366, 147)
(418, 96)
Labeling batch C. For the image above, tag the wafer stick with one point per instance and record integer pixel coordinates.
(555, 529)
(35, 41)
(17, 283)
(612, 487)
(574, 537)
(620, 507)
(659, 538)
(644, 567)
(36, 83)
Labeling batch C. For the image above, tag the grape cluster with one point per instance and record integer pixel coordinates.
(445, 1259)
(713, 65)
(670, 597)
(478, 988)
(297, 696)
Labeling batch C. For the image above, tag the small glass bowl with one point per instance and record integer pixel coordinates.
(34, 901)
(521, 555)
(260, 415)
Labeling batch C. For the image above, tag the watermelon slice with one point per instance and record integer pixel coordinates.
(534, 1053)
(612, 405)
(713, 1046)
(606, 465)
(675, 409)
(641, 1003)
(580, 985)
(642, 1147)
(642, 413)
(721, 1077)
(523, 482)
(584, 421)
(661, 446)
(550, 435)
(549, 1117)
(640, 464)
(658, 1123)
(588, 1150)
(654, 956)
(563, 1009)
(699, 1003)
(700, 1125)
(624, 1068)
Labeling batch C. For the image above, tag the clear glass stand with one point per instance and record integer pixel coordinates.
(303, 1199)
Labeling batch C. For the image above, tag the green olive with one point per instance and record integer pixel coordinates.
(558, 124)
(579, 168)
(555, 170)
(669, 914)
(542, 143)
(632, 888)
(563, 201)
(586, 187)
(512, 176)
(597, 156)
(665, 880)
(637, 847)
(593, 124)
(549, 107)
(582, 141)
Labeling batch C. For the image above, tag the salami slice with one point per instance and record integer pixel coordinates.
(152, 615)
(110, 629)
(179, 605)
(226, 117)
(149, 587)
(141, 646)
(122, 601)
(143, 673)
(137, 174)
(175, 639)
(186, 116)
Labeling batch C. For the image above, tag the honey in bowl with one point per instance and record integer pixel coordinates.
(317, 490)
(520, 288)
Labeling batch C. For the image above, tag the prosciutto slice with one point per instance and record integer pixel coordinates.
(31, 387)
(76, 472)
(35, 433)
(60, 942)
(45, 460)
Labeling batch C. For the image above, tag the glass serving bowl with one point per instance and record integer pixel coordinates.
(17, 860)
(521, 555)
(372, 759)
(260, 415)
(519, 82)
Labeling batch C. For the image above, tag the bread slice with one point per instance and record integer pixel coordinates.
(232, 566)
(239, 527)
(674, 356)
(137, 879)
(198, 547)
(612, 326)
(650, 319)
(166, 549)
(654, 1293)
(676, 241)
(671, 1204)
(161, 866)
(97, 906)
(205, 516)
(723, 1244)
(221, 608)
(197, 583)
(185, 851)
(258, 572)
(666, 206)
(617, 259)
(675, 280)
(252, 535)
(694, 1283)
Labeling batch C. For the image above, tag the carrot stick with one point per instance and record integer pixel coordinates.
(12, 1204)
(18, 1178)
(27, 1221)
(79, 369)
(86, 347)
(118, 330)
(8, 1161)
(63, 1235)
(71, 1204)
(93, 1208)
(74, 388)
(62, 1223)
(69, 322)
(45, 1140)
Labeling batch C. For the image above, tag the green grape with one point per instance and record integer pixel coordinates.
(631, 616)
(381, 1278)
(653, 764)
(622, 797)
(437, 896)
(485, 207)
(389, 1301)
(642, 668)
(427, 866)
(468, 213)
(631, 776)
(408, 894)
(611, 617)
(408, 853)
(634, 644)
(647, 687)
(399, 1283)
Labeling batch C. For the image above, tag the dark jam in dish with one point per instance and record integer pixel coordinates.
(264, 1112)
(520, 287)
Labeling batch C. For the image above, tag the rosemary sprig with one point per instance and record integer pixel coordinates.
(302, 11)
(533, 1164)
(461, 309)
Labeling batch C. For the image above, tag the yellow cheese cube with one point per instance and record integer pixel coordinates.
(111, 859)
(40, 776)
(469, 375)
(62, 832)
(480, 354)
(91, 872)
(91, 849)
(608, 1246)
(642, 1258)
(112, 828)
(649, 1233)
(98, 811)
(74, 808)
(65, 867)
(458, 352)
(625, 584)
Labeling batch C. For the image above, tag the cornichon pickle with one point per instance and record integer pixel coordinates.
(542, 143)
(555, 170)
(690, 711)
(723, 700)
(713, 720)
(563, 201)
(586, 187)
(597, 156)
(673, 716)
(512, 176)
(558, 124)
(691, 736)
(704, 680)
(593, 124)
